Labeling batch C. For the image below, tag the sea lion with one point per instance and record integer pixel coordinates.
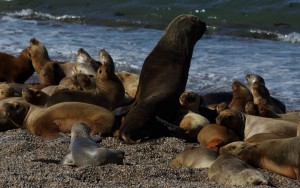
(246, 126)
(15, 69)
(263, 137)
(109, 92)
(195, 157)
(48, 122)
(214, 136)
(251, 109)
(251, 78)
(86, 82)
(190, 100)
(221, 107)
(6, 91)
(241, 96)
(229, 170)
(277, 155)
(163, 78)
(264, 111)
(35, 96)
(84, 151)
(83, 56)
(51, 72)
(130, 82)
(70, 82)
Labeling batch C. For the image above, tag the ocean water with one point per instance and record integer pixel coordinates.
(243, 37)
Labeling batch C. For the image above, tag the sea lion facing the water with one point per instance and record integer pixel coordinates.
(15, 69)
(163, 78)
(84, 151)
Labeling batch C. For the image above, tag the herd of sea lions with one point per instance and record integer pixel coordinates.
(237, 131)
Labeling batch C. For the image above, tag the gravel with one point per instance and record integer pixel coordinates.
(29, 161)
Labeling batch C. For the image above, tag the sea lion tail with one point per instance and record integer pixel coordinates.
(175, 130)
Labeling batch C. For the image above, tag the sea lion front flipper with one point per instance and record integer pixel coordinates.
(68, 159)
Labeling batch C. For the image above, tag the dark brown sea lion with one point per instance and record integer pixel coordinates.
(241, 96)
(252, 78)
(84, 151)
(15, 69)
(190, 100)
(163, 78)
(83, 56)
(48, 122)
(230, 170)
(195, 157)
(246, 126)
(35, 96)
(214, 136)
(251, 109)
(277, 155)
(109, 92)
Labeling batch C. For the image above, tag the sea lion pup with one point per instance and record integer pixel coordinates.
(263, 137)
(241, 96)
(261, 95)
(48, 122)
(190, 100)
(251, 109)
(214, 136)
(229, 170)
(130, 82)
(35, 96)
(195, 157)
(251, 78)
(109, 92)
(246, 126)
(84, 151)
(162, 80)
(83, 56)
(51, 72)
(280, 156)
(15, 69)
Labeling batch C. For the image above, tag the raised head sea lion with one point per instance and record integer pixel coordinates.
(84, 151)
(246, 126)
(214, 136)
(195, 157)
(254, 78)
(48, 122)
(230, 170)
(83, 56)
(130, 82)
(15, 69)
(163, 79)
(109, 92)
(241, 96)
(277, 155)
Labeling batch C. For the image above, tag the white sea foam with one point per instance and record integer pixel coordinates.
(291, 37)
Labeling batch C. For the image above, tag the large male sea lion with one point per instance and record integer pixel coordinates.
(84, 151)
(163, 78)
(246, 126)
(229, 170)
(48, 122)
(15, 69)
(195, 157)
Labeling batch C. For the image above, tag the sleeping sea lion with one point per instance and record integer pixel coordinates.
(246, 126)
(195, 157)
(15, 69)
(130, 82)
(163, 78)
(229, 170)
(84, 151)
(48, 122)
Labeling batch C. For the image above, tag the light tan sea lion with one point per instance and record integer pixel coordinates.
(109, 92)
(214, 136)
(241, 96)
(252, 78)
(48, 122)
(195, 157)
(15, 69)
(229, 170)
(84, 151)
(83, 56)
(246, 126)
(86, 82)
(277, 155)
(163, 79)
(70, 82)
(263, 137)
(130, 82)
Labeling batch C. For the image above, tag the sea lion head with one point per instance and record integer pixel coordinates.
(16, 111)
(80, 130)
(240, 90)
(235, 147)
(221, 107)
(107, 69)
(26, 54)
(35, 96)
(251, 78)
(85, 81)
(190, 100)
(233, 120)
(6, 91)
(70, 83)
(251, 109)
(37, 51)
(82, 56)
(259, 92)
